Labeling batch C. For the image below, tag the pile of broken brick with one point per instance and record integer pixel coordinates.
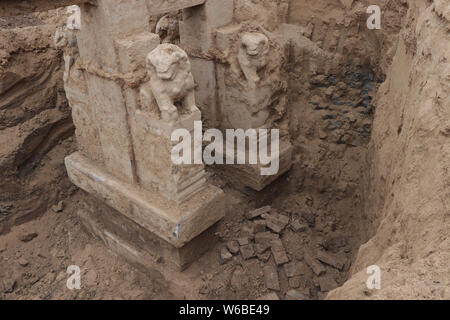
(265, 241)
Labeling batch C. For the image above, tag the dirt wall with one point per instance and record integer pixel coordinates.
(35, 120)
(407, 208)
(335, 71)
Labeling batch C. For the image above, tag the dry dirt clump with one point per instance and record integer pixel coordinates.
(35, 120)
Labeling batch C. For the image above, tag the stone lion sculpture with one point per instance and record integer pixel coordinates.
(171, 82)
(253, 55)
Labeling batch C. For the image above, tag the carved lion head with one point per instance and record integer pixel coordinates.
(165, 61)
(255, 44)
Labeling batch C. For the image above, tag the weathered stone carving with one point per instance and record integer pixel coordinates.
(251, 87)
(76, 88)
(171, 82)
(167, 29)
(253, 55)
(66, 40)
(252, 94)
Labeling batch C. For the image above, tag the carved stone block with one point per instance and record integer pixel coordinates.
(157, 7)
(176, 224)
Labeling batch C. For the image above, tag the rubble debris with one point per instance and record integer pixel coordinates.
(274, 227)
(327, 284)
(293, 269)
(204, 290)
(294, 282)
(309, 217)
(58, 207)
(334, 243)
(247, 231)
(276, 222)
(259, 226)
(265, 237)
(264, 257)
(271, 277)
(243, 241)
(314, 264)
(27, 237)
(262, 247)
(225, 255)
(239, 279)
(278, 252)
(9, 285)
(258, 212)
(335, 261)
(296, 226)
(60, 254)
(295, 295)
(23, 262)
(233, 247)
(247, 252)
(309, 201)
(280, 257)
(269, 297)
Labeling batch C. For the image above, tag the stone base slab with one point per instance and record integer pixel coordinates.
(247, 175)
(139, 246)
(175, 224)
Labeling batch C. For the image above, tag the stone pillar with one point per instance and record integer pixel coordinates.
(232, 92)
(197, 36)
(252, 95)
(121, 105)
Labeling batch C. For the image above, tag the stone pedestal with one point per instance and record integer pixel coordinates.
(249, 175)
(172, 205)
(136, 243)
(175, 224)
(154, 167)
